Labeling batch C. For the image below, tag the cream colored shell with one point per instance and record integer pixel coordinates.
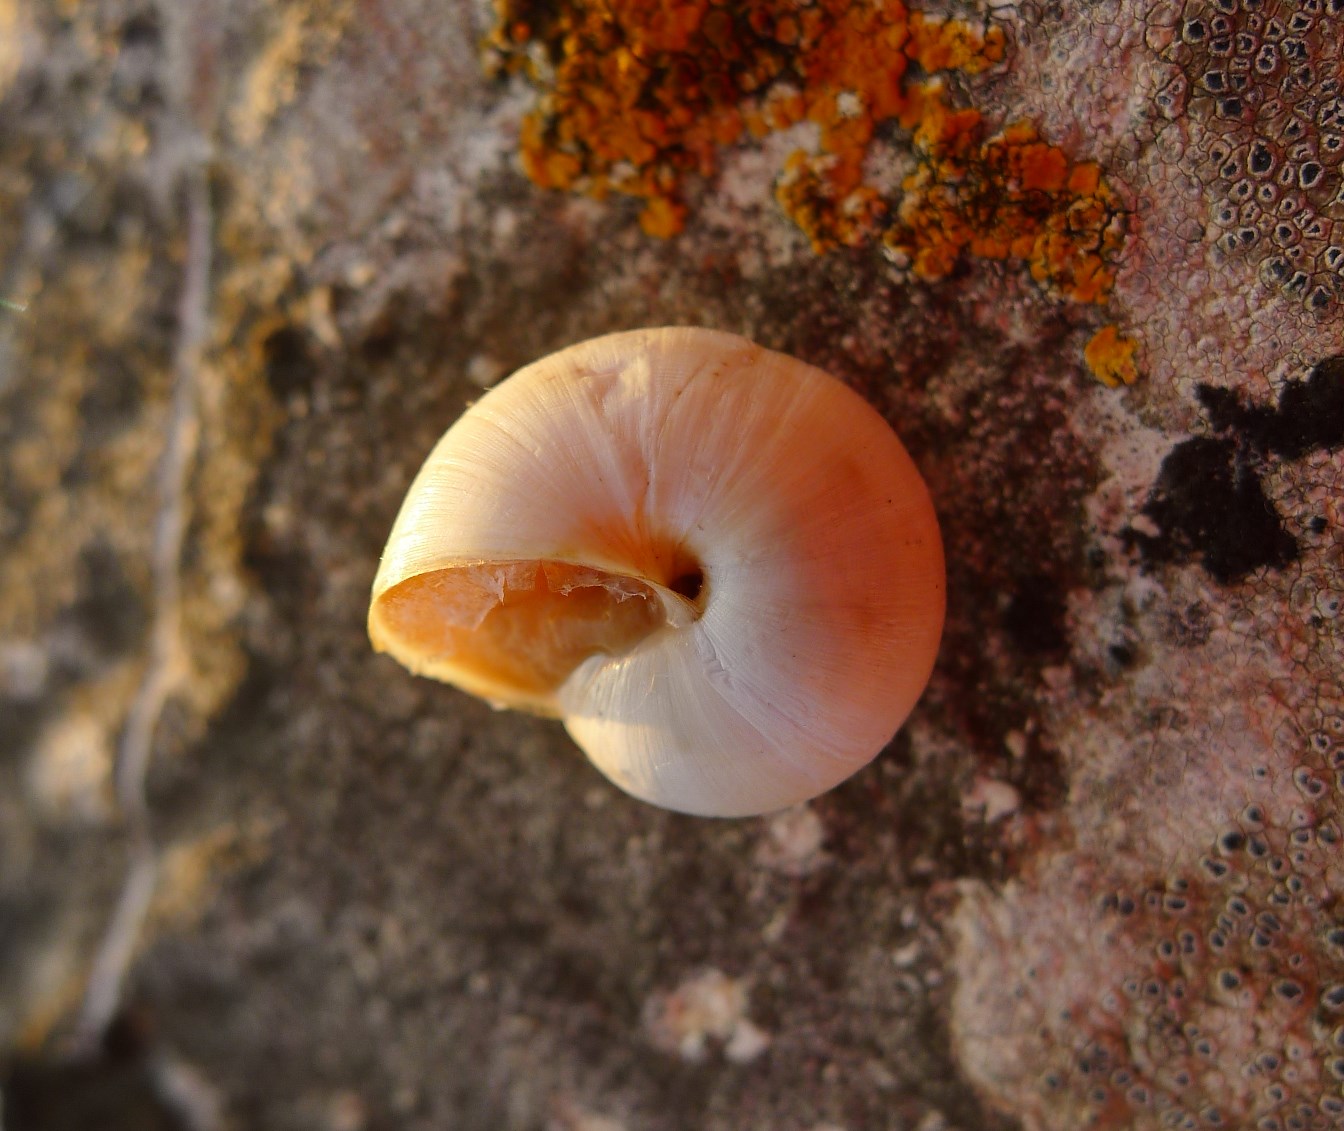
(715, 563)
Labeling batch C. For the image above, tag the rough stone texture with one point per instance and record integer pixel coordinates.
(1094, 882)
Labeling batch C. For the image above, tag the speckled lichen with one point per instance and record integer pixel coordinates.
(642, 96)
(1177, 959)
(1265, 78)
(1213, 997)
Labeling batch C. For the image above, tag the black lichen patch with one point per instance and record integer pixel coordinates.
(1310, 416)
(1208, 503)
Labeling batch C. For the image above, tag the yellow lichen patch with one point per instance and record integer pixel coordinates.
(9, 43)
(68, 776)
(60, 985)
(1110, 356)
(642, 94)
(191, 871)
(38, 574)
(300, 38)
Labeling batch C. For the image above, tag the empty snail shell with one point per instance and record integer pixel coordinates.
(715, 563)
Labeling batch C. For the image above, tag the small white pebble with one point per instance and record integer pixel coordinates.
(793, 841)
(747, 1042)
(990, 799)
(904, 956)
(484, 370)
(23, 670)
(708, 1006)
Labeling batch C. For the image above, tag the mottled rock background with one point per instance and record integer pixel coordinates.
(252, 875)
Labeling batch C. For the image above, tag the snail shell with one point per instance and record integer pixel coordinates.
(715, 563)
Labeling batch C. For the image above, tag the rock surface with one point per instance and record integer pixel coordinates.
(1086, 258)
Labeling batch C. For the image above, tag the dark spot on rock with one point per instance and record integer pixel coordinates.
(1208, 506)
(1288, 990)
(142, 29)
(1035, 614)
(108, 615)
(1122, 654)
(116, 1090)
(290, 367)
(1191, 626)
(113, 397)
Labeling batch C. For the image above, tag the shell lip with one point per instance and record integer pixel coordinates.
(458, 622)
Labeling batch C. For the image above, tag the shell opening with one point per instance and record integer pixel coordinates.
(513, 632)
(689, 584)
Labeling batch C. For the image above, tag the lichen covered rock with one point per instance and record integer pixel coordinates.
(1082, 256)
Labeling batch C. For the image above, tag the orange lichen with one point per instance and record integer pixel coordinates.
(1110, 356)
(1011, 196)
(644, 93)
(950, 45)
